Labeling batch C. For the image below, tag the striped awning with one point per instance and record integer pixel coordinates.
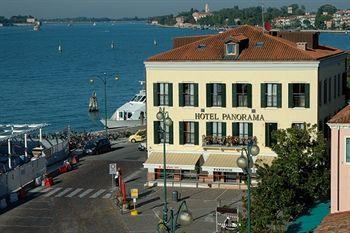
(228, 163)
(183, 161)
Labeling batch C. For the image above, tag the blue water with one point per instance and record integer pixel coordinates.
(38, 84)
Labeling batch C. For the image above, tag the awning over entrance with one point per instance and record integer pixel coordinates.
(228, 163)
(176, 161)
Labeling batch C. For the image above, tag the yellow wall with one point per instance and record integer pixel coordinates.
(173, 73)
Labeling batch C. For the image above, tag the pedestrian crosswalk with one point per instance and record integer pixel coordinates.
(63, 192)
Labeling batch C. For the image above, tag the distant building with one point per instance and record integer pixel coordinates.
(180, 20)
(290, 10)
(154, 22)
(1, 25)
(206, 9)
(198, 15)
(31, 20)
(328, 24)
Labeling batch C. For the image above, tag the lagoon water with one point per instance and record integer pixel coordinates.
(39, 84)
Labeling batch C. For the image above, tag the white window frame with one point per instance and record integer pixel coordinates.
(345, 162)
(235, 49)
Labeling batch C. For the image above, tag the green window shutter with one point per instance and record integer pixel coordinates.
(156, 125)
(263, 95)
(307, 95)
(223, 129)
(250, 129)
(209, 128)
(223, 86)
(290, 95)
(170, 94)
(155, 94)
(171, 134)
(196, 94)
(209, 91)
(196, 133)
(181, 133)
(235, 129)
(234, 95)
(273, 128)
(267, 134)
(181, 95)
(279, 95)
(249, 95)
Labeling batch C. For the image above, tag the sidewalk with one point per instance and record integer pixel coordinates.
(201, 203)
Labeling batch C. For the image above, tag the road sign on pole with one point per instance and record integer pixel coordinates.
(134, 193)
(112, 168)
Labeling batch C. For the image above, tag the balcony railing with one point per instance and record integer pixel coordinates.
(226, 141)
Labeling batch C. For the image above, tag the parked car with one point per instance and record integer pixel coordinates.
(97, 146)
(139, 136)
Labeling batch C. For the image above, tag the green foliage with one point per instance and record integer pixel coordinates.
(320, 18)
(297, 179)
(165, 20)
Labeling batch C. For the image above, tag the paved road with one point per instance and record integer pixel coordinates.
(80, 201)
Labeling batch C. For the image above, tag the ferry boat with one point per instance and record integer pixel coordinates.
(130, 114)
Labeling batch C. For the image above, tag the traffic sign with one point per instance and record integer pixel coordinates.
(134, 193)
(112, 168)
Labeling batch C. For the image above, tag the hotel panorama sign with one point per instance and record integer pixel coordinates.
(229, 117)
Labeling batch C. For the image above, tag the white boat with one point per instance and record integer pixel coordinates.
(94, 24)
(37, 25)
(93, 106)
(130, 114)
(60, 48)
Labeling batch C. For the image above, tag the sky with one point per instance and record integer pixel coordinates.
(140, 8)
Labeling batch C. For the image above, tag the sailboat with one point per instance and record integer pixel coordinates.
(94, 24)
(60, 48)
(112, 45)
(154, 42)
(93, 106)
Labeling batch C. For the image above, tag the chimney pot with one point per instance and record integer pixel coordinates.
(302, 45)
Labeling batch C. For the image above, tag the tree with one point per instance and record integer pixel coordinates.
(296, 180)
(321, 18)
(307, 23)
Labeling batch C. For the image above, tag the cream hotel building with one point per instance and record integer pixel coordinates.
(223, 89)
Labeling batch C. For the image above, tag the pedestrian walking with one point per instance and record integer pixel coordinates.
(116, 178)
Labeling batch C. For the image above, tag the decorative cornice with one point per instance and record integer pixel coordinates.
(232, 66)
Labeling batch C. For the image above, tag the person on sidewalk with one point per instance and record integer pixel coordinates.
(116, 179)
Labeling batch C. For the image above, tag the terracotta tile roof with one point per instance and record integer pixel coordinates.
(342, 117)
(273, 48)
(335, 223)
(184, 40)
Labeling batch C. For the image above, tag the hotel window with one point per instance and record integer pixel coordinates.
(329, 89)
(242, 95)
(269, 130)
(216, 95)
(299, 94)
(319, 93)
(347, 156)
(188, 94)
(335, 87)
(242, 130)
(217, 129)
(325, 91)
(158, 132)
(344, 84)
(231, 49)
(163, 94)
(298, 125)
(339, 85)
(189, 132)
(271, 95)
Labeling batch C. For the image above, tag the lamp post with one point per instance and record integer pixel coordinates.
(104, 81)
(163, 116)
(246, 163)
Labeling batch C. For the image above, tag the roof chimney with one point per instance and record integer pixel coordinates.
(302, 45)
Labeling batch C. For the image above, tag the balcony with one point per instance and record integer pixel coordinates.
(226, 142)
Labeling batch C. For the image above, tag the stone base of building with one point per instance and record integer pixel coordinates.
(184, 184)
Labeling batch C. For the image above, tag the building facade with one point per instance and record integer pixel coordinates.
(222, 90)
(340, 161)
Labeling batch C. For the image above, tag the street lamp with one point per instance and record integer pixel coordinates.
(104, 81)
(246, 163)
(183, 217)
(163, 116)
